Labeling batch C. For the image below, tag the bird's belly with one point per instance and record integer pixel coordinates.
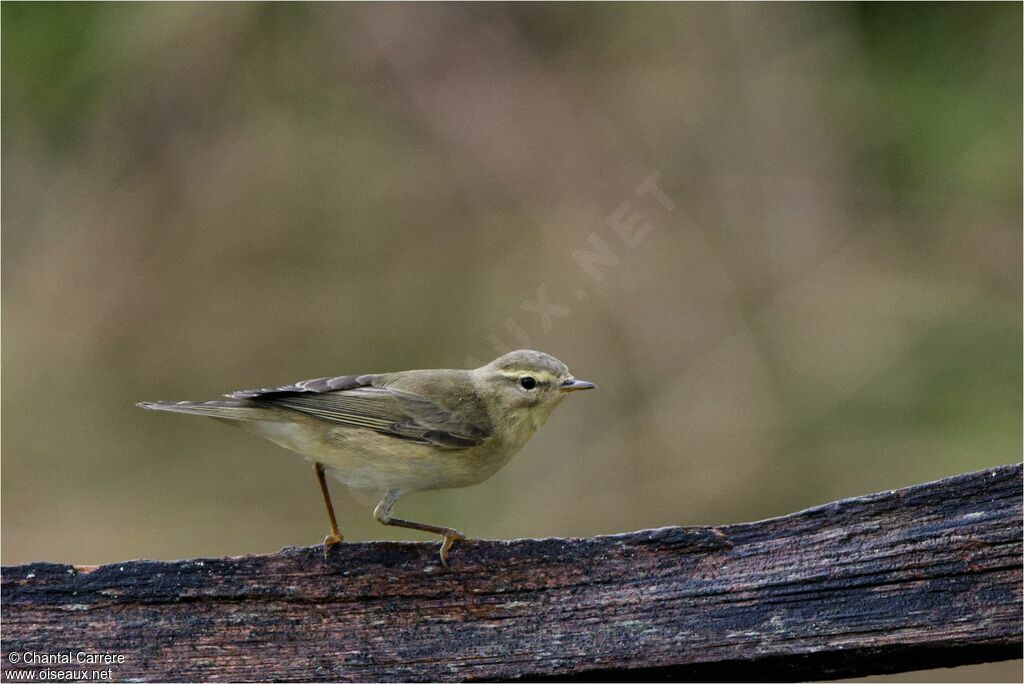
(405, 466)
(365, 459)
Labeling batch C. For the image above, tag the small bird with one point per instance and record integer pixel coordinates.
(402, 432)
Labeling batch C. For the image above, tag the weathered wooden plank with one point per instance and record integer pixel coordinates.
(920, 577)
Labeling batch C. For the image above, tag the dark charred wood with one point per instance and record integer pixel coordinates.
(927, 576)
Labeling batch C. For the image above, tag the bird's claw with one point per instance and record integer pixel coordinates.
(450, 538)
(330, 540)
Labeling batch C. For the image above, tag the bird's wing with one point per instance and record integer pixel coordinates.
(314, 386)
(355, 402)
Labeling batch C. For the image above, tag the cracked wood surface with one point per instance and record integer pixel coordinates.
(915, 578)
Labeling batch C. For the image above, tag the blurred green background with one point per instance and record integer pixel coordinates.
(206, 197)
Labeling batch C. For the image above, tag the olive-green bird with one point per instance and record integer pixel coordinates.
(403, 432)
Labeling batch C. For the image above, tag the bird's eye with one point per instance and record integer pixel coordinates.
(527, 382)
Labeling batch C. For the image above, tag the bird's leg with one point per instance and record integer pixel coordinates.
(383, 515)
(335, 536)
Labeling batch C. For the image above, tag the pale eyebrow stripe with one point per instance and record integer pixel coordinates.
(540, 376)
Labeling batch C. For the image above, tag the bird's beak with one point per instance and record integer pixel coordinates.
(572, 385)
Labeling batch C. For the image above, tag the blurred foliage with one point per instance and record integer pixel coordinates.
(202, 197)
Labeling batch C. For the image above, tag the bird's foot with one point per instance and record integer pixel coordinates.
(450, 537)
(330, 540)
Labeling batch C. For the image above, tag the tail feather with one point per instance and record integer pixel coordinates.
(230, 410)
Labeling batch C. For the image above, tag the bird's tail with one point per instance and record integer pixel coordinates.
(227, 410)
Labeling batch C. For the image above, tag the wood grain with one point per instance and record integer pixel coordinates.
(921, 577)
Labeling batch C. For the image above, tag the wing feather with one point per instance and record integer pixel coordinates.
(316, 385)
(354, 401)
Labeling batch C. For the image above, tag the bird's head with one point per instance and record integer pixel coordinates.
(527, 383)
